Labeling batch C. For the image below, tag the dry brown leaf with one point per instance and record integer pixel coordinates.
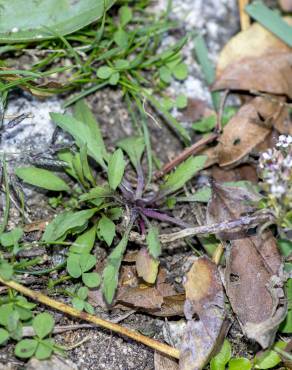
(271, 73)
(247, 129)
(252, 278)
(146, 266)
(254, 42)
(204, 310)
(163, 362)
(245, 172)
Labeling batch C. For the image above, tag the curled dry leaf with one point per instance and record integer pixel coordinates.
(253, 274)
(204, 311)
(271, 73)
(146, 266)
(254, 42)
(250, 126)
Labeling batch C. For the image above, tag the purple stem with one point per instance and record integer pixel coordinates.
(142, 226)
(127, 190)
(163, 217)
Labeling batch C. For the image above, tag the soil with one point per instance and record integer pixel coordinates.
(102, 349)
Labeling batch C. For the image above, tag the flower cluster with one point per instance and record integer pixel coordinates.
(275, 170)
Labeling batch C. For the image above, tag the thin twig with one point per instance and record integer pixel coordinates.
(42, 298)
(244, 17)
(241, 223)
(196, 147)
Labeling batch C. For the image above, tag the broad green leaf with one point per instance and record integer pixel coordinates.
(67, 156)
(181, 101)
(116, 169)
(83, 135)
(6, 270)
(114, 78)
(206, 124)
(88, 308)
(180, 71)
(43, 324)
(221, 359)
(153, 242)
(106, 230)
(134, 146)
(26, 348)
(4, 336)
(121, 38)
(269, 358)
(183, 173)
(44, 349)
(65, 223)
(271, 20)
(73, 265)
(91, 279)
(87, 262)
(78, 303)
(12, 237)
(125, 15)
(87, 172)
(111, 271)
(285, 247)
(240, 363)
(5, 312)
(104, 72)
(78, 169)
(165, 74)
(82, 292)
(85, 242)
(97, 193)
(42, 178)
(23, 21)
(13, 320)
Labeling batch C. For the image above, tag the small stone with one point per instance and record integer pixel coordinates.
(54, 363)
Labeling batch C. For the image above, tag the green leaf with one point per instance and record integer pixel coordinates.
(111, 271)
(12, 237)
(82, 292)
(116, 169)
(78, 303)
(106, 230)
(206, 124)
(221, 359)
(44, 349)
(104, 72)
(271, 20)
(181, 101)
(65, 223)
(5, 312)
(269, 358)
(202, 195)
(114, 79)
(4, 336)
(85, 242)
(83, 114)
(122, 64)
(6, 270)
(180, 71)
(97, 193)
(121, 38)
(153, 242)
(91, 279)
(286, 325)
(12, 322)
(134, 146)
(87, 262)
(23, 21)
(83, 133)
(165, 74)
(167, 103)
(285, 247)
(184, 172)
(240, 363)
(125, 15)
(26, 348)
(73, 265)
(207, 67)
(43, 324)
(88, 308)
(42, 178)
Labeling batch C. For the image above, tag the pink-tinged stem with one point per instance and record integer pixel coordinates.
(151, 213)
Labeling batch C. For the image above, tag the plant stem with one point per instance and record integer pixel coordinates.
(42, 298)
(163, 217)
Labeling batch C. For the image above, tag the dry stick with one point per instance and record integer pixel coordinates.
(241, 223)
(244, 17)
(196, 147)
(42, 298)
